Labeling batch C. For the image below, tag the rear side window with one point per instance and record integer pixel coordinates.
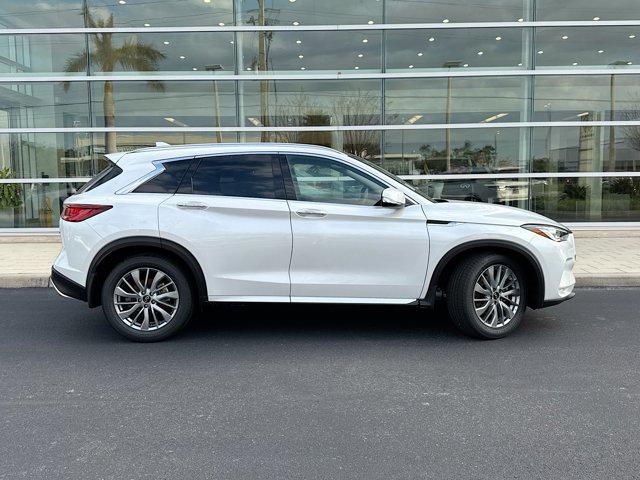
(254, 176)
(110, 172)
(167, 181)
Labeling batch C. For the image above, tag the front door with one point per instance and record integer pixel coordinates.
(345, 246)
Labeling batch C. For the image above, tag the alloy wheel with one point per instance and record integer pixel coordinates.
(496, 296)
(146, 299)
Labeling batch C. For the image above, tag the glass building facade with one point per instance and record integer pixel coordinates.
(530, 103)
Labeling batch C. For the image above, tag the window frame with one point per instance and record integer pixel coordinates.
(279, 191)
(290, 187)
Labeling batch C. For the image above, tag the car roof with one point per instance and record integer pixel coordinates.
(165, 152)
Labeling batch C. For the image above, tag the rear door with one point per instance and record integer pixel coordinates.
(230, 212)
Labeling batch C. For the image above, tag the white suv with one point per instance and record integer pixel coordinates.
(162, 230)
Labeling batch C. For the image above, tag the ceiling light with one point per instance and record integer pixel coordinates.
(481, 53)
(432, 39)
(494, 117)
(520, 64)
(410, 66)
(356, 68)
(249, 68)
(420, 54)
(365, 40)
(632, 36)
(574, 63)
(446, 20)
(629, 63)
(583, 114)
(292, 1)
(194, 69)
(296, 23)
(122, 2)
(231, 42)
(360, 55)
(564, 37)
(147, 24)
(170, 119)
(166, 42)
(221, 24)
(302, 68)
(596, 18)
(600, 51)
(521, 19)
(540, 52)
(182, 57)
(298, 42)
(498, 38)
(207, 1)
(465, 65)
(413, 119)
(255, 121)
(300, 56)
(370, 22)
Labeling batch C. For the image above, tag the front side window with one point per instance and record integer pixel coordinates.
(317, 179)
(253, 176)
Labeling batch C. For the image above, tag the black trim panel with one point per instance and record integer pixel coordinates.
(442, 264)
(67, 287)
(551, 303)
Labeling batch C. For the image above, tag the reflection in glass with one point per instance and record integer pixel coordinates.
(36, 205)
(47, 155)
(449, 49)
(128, 141)
(436, 11)
(587, 10)
(44, 104)
(513, 192)
(470, 151)
(42, 14)
(161, 104)
(614, 47)
(455, 100)
(364, 143)
(41, 53)
(169, 13)
(586, 149)
(165, 53)
(587, 98)
(312, 12)
(608, 199)
(311, 102)
(306, 52)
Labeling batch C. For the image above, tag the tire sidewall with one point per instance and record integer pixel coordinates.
(185, 307)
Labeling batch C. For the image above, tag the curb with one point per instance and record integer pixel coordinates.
(601, 280)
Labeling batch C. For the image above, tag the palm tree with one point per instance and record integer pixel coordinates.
(132, 55)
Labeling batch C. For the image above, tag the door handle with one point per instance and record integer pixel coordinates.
(192, 205)
(311, 213)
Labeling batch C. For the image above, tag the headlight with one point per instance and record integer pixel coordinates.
(557, 234)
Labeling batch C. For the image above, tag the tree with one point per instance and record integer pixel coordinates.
(132, 55)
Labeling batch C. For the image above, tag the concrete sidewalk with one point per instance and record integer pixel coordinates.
(605, 258)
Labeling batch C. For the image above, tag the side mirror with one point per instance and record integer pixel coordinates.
(393, 198)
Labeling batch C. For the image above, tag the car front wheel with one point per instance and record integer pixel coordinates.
(147, 298)
(486, 295)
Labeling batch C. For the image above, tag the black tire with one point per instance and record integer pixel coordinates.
(460, 296)
(185, 305)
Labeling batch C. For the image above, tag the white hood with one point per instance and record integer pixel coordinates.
(477, 212)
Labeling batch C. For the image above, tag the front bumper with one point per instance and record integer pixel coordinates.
(67, 287)
(550, 303)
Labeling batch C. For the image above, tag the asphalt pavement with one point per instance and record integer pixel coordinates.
(320, 392)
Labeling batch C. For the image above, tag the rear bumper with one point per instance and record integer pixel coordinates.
(67, 287)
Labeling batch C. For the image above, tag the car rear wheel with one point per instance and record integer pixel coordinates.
(147, 298)
(486, 296)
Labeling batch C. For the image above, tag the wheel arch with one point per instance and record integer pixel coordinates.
(531, 265)
(112, 253)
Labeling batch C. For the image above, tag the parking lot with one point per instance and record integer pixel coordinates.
(325, 392)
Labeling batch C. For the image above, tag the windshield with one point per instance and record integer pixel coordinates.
(391, 175)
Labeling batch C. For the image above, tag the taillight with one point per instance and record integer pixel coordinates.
(74, 212)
